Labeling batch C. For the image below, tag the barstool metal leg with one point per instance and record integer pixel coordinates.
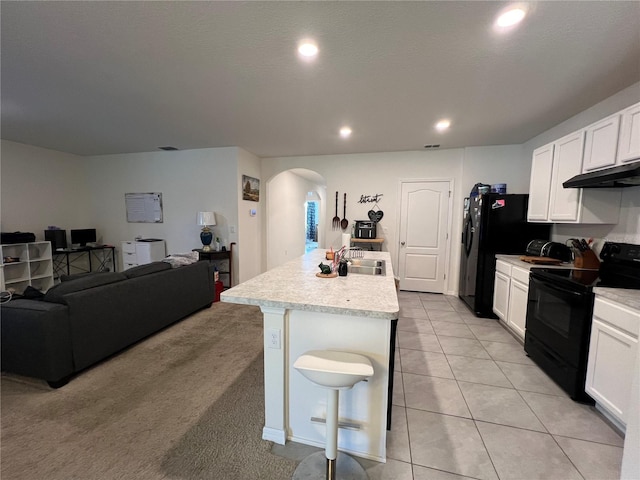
(331, 446)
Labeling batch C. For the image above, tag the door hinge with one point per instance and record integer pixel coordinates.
(449, 193)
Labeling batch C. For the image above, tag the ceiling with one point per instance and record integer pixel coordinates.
(120, 77)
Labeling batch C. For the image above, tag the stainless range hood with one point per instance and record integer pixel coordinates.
(622, 176)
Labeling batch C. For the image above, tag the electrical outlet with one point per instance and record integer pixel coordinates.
(232, 229)
(273, 338)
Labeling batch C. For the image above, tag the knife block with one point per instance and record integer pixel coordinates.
(586, 259)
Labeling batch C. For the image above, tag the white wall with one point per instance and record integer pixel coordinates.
(497, 164)
(286, 198)
(378, 173)
(249, 255)
(189, 180)
(42, 187)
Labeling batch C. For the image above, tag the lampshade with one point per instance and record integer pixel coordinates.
(206, 218)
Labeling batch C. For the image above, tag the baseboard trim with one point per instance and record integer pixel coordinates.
(274, 435)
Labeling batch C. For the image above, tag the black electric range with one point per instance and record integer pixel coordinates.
(559, 311)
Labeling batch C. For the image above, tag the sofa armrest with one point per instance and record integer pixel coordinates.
(36, 339)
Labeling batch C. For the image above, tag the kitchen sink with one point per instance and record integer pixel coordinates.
(367, 266)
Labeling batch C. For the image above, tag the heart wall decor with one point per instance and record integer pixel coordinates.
(375, 216)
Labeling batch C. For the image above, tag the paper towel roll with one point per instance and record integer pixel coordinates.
(346, 240)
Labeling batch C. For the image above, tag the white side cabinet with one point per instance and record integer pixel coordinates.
(550, 202)
(33, 267)
(612, 352)
(629, 141)
(510, 294)
(501, 290)
(136, 253)
(518, 295)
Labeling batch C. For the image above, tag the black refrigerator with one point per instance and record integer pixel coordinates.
(492, 223)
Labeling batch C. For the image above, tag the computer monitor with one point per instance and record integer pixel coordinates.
(58, 238)
(83, 236)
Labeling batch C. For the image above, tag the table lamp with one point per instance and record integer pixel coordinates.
(206, 220)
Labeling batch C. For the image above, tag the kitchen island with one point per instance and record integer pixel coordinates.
(304, 312)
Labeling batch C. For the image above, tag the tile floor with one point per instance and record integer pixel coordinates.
(468, 403)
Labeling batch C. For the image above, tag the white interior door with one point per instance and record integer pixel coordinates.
(424, 213)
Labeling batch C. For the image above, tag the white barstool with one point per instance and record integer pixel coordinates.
(334, 371)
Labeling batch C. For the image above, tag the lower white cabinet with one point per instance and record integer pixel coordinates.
(501, 289)
(136, 253)
(518, 294)
(612, 353)
(510, 293)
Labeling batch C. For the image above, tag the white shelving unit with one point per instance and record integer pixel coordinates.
(34, 267)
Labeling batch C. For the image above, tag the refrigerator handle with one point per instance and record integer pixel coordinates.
(467, 235)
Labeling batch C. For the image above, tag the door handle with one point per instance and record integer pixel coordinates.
(402, 243)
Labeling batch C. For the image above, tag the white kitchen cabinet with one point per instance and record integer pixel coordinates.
(563, 159)
(564, 204)
(34, 267)
(629, 140)
(612, 352)
(501, 289)
(518, 294)
(540, 186)
(136, 253)
(601, 144)
(510, 293)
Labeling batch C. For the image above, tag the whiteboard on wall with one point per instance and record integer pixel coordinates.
(143, 207)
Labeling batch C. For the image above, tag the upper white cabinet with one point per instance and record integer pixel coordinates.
(564, 205)
(540, 188)
(629, 141)
(601, 144)
(550, 202)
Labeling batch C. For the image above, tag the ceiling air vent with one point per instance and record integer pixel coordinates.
(431, 146)
(168, 149)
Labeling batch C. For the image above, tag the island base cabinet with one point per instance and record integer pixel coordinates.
(364, 405)
(612, 352)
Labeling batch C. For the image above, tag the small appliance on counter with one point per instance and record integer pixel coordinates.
(545, 249)
(365, 229)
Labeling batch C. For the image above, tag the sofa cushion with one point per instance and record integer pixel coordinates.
(146, 269)
(56, 294)
(66, 278)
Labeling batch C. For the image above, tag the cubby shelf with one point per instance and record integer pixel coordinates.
(34, 267)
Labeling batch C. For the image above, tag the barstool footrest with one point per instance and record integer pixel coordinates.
(344, 425)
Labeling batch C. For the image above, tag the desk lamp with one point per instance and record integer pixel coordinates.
(206, 220)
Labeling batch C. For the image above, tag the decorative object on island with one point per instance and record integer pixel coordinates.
(206, 220)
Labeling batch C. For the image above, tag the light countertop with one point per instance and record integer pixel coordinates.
(628, 297)
(515, 260)
(295, 286)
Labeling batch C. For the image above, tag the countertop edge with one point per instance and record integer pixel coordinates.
(626, 297)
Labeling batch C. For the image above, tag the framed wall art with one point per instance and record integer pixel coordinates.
(250, 188)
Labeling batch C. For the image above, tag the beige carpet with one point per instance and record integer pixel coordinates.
(186, 403)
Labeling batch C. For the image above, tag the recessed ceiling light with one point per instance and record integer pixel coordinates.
(308, 49)
(345, 132)
(510, 17)
(442, 125)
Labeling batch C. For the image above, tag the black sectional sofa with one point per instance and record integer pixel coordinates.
(86, 319)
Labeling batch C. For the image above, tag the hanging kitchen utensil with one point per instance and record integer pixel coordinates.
(345, 223)
(375, 215)
(336, 219)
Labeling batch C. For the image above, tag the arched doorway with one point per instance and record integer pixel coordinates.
(288, 195)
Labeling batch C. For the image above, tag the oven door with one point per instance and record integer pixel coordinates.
(559, 317)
